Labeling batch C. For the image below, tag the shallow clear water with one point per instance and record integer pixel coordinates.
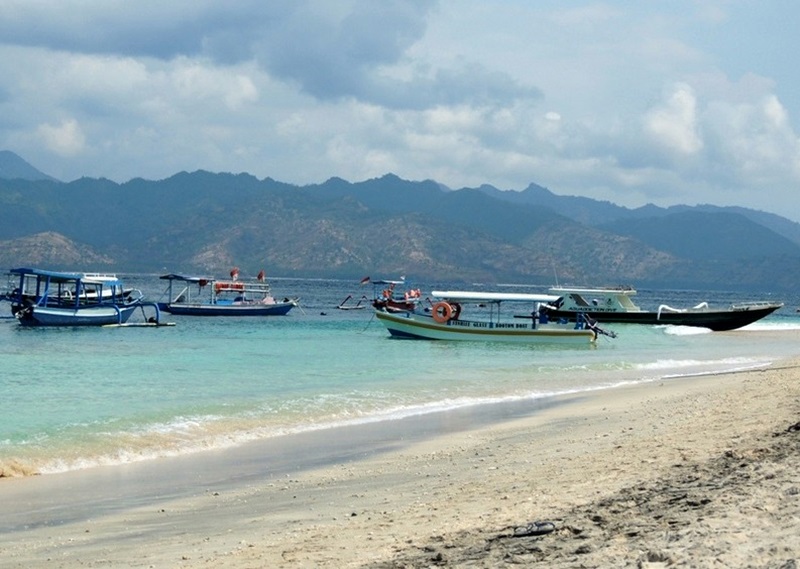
(77, 397)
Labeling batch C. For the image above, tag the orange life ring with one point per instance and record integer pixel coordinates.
(442, 312)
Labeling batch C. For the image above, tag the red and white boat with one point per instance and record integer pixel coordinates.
(230, 297)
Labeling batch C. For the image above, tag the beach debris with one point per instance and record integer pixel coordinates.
(534, 528)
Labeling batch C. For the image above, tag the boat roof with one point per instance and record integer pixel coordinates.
(190, 279)
(625, 290)
(61, 276)
(492, 296)
(387, 282)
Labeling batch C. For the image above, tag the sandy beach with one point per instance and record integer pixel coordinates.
(700, 472)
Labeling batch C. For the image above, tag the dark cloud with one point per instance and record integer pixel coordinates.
(146, 28)
(326, 53)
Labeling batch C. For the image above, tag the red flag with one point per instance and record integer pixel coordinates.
(261, 275)
(365, 280)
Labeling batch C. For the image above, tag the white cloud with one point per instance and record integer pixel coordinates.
(757, 142)
(241, 91)
(673, 124)
(65, 139)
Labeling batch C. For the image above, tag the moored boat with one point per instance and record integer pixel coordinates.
(52, 298)
(232, 297)
(393, 295)
(446, 320)
(616, 305)
(347, 305)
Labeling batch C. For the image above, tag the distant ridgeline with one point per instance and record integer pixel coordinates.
(13, 167)
(206, 222)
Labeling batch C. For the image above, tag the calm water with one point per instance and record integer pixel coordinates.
(74, 398)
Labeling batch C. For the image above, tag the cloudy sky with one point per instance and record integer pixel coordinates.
(632, 102)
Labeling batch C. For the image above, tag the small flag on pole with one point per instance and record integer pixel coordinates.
(365, 280)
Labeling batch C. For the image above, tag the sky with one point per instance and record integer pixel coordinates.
(677, 102)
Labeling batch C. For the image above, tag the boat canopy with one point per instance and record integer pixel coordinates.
(63, 277)
(188, 279)
(54, 276)
(627, 291)
(473, 296)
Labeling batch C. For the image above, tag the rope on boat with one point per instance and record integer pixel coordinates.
(368, 322)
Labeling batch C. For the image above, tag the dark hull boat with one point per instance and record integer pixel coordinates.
(615, 305)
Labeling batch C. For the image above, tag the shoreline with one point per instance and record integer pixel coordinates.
(455, 495)
(459, 416)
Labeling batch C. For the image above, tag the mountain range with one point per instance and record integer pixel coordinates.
(206, 223)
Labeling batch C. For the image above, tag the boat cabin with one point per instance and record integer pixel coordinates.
(595, 299)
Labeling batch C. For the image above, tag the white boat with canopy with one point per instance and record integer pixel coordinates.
(446, 320)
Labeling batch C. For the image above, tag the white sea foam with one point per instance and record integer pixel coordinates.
(777, 326)
(723, 363)
(684, 330)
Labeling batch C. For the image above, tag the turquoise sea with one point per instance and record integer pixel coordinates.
(74, 398)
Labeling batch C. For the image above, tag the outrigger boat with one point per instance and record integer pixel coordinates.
(444, 320)
(51, 298)
(388, 297)
(223, 297)
(357, 306)
(88, 293)
(616, 305)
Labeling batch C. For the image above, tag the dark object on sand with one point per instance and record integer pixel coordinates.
(534, 528)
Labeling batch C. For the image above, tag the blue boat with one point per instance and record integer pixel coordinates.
(222, 297)
(50, 298)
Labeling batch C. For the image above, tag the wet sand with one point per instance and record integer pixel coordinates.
(700, 472)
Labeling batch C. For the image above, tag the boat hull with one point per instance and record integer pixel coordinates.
(716, 320)
(85, 316)
(200, 309)
(418, 326)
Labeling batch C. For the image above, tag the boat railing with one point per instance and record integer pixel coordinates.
(99, 276)
(239, 286)
(119, 297)
(703, 307)
(753, 305)
(667, 308)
